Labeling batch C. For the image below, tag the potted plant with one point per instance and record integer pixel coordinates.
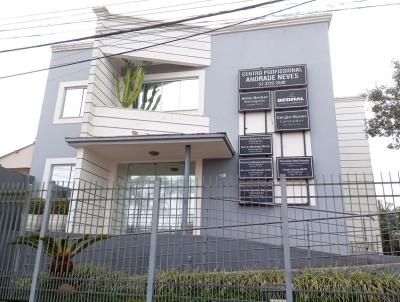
(129, 85)
(36, 208)
(59, 214)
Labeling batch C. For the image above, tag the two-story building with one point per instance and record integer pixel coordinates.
(243, 104)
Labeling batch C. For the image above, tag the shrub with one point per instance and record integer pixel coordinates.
(90, 283)
(36, 206)
(60, 206)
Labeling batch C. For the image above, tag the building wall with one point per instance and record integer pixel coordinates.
(50, 140)
(355, 157)
(20, 160)
(356, 168)
(302, 44)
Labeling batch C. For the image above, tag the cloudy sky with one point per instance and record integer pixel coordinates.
(363, 43)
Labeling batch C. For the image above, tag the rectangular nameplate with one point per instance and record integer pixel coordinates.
(255, 145)
(299, 167)
(259, 193)
(292, 120)
(256, 168)
(254, 101)
(271, 77)
(291, 98)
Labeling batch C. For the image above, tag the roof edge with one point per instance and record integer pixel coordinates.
(307, 19)
(71, 46)
(79, 141)
(17, 150)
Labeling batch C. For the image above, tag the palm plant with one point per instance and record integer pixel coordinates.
(150, 102)
(129, 86)
(61, 250)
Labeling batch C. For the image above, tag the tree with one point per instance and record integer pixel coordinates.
(386, 108)
(61, 250)
(389, 225)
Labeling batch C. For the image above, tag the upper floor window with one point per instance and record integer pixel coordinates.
(70, 102)
(170, 95)
(74, 98)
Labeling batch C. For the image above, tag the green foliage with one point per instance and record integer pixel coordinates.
(36, 207)
(60, 206)
(389, 225)
(129, 86)
(386, 108)
(61, 250)
(89, 283)
(150, 102)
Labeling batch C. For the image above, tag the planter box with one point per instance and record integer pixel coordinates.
(33, 223)
(57, 223)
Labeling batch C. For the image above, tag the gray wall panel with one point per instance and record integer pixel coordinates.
(304, 44)
(50, 137)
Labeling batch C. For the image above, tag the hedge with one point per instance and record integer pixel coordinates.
(89, 283)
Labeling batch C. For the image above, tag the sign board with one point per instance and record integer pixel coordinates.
(256, 193)
(291, 98)
(255, 145)
(292, 120)
(254, 101)
(255, 168)
(270, 77)
(300, 167)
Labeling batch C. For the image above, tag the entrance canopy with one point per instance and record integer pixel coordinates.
(157, 147)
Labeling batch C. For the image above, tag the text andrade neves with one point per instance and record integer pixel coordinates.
(276, 74)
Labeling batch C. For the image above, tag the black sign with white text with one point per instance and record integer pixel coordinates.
(270, 77)
(256, 193)
(291, 98)
(300, 167)
(255, 145)
(292, 120)
(254, 101)
(255, 168)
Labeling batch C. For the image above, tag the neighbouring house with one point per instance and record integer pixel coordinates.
(19, 160)
(243, 104)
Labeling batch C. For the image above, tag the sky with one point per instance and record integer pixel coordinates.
(363, 43)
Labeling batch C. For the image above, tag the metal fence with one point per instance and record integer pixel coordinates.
(327, 239)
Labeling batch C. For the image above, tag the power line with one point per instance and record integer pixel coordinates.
(201, 22)
(163, 24)
(71, 9)
(136, 12)
(158, 44)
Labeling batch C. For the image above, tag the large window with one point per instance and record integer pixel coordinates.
(63, 176)
(74, 98)
(134, 203)
(170, 95)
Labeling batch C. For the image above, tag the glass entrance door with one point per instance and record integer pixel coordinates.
(138, 182)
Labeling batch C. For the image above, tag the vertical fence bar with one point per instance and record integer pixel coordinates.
(153, 240)
(39, 252)
(186, 192)
(285, 239)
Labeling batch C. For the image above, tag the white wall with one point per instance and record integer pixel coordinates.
(356, 167)
(193, 51)
(107, 121)
(21, 158)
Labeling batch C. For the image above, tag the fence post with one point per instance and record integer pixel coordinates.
(285, 239)
(153, 240)
(39, 252)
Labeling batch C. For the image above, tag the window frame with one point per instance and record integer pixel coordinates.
(50, 162)
(58, 118)
(183, 75)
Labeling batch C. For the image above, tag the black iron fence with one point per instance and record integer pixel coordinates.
(328, 239)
